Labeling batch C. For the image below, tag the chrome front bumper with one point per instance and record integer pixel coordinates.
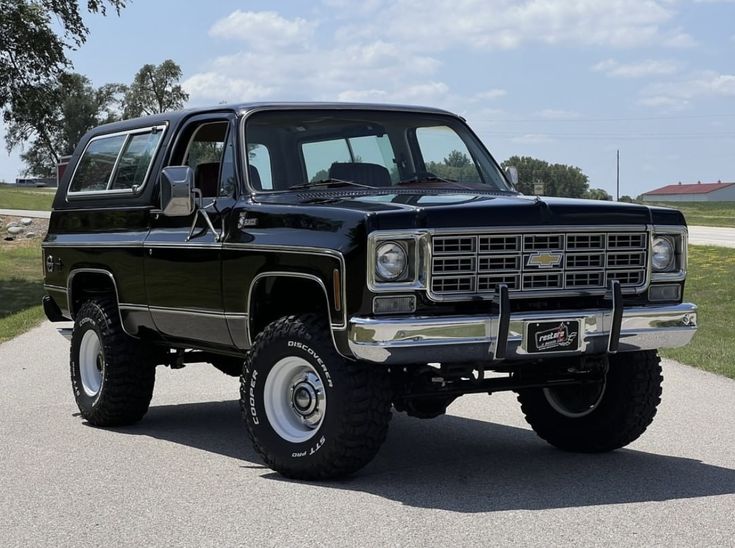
(448, 339)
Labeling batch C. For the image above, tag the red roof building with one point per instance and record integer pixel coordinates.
(696, 192)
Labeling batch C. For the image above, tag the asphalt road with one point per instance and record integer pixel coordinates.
(187, 475)
(711, 235)
(26, 213)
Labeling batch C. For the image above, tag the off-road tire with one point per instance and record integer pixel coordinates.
(129, 373)
(628, 405)
(358, 402)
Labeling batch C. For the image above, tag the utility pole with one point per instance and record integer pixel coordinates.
(617, 178)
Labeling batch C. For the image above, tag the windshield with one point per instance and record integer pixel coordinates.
(375, 149)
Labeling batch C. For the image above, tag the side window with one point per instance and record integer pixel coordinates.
(136, 157)
(204, 154)
(96, 164)
(259, 160)
(446, 155)
(118, 162)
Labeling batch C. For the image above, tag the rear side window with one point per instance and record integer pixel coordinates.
(116, 163)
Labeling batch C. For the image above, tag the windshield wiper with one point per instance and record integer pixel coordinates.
(331, 181)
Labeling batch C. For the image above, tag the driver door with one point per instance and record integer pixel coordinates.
(183, 255)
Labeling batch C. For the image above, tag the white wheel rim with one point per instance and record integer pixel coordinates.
(91, 363)
(294, 399)
(563, 408)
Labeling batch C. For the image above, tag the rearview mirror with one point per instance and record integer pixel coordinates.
(177, 183)
(512, 173)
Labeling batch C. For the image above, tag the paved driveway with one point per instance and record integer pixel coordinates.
(711, 235)
(186, 475)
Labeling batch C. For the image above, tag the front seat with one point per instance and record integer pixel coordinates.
(359, 172)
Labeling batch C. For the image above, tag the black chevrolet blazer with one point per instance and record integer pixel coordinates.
(347, 259)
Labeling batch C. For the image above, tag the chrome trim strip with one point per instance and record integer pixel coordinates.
(302, 250)
(70, 279)
(277, 274)
(418, 339)
(187, 311)
(181, 245)
(54, 287)
(126, 244)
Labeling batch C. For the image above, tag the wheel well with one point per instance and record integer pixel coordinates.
(276, 296)
(89, 285)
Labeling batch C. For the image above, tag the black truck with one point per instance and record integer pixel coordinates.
(345, 260)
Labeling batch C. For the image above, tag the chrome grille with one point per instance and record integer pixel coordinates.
(463, 265)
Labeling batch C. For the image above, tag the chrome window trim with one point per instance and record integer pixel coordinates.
(682, 232)
(71, 195)
(424, 237)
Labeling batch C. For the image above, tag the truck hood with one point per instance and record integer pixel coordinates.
(405, 210)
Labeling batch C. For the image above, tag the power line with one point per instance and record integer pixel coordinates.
(615, 119)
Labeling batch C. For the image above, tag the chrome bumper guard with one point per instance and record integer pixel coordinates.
(453, 339)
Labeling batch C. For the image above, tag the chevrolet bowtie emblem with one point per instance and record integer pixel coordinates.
(544, 260)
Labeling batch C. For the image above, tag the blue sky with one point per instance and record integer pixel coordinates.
(567, 81)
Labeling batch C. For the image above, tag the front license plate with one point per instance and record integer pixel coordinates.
(552, 336)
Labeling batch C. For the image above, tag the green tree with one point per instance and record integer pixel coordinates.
(75, 106)
(457, 159)
(36, 35)
(597, 194)
(626, 198)
(558, 179)
(457, 166)
(155, 89)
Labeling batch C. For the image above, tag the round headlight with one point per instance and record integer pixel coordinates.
(662, 255)
(390, 261)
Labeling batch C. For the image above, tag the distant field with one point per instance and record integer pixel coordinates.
(705, 213)
(711, 285)
(12, 197)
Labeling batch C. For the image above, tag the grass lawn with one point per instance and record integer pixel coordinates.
(12, 197)
(21, 289)
(711, 285)
(705, 213)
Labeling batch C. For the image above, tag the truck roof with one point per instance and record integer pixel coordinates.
(243, 108)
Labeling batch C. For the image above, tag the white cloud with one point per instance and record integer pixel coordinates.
(430, 93)
(489, 94)
(662, 101)
(507, 24)
(557, 114)
(681, 93)
(636, 70)
(263, 29)
(377, 71)
(217, 87)
(532, 139)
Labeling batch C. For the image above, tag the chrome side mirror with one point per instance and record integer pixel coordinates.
(177, 196)
(512, 173)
